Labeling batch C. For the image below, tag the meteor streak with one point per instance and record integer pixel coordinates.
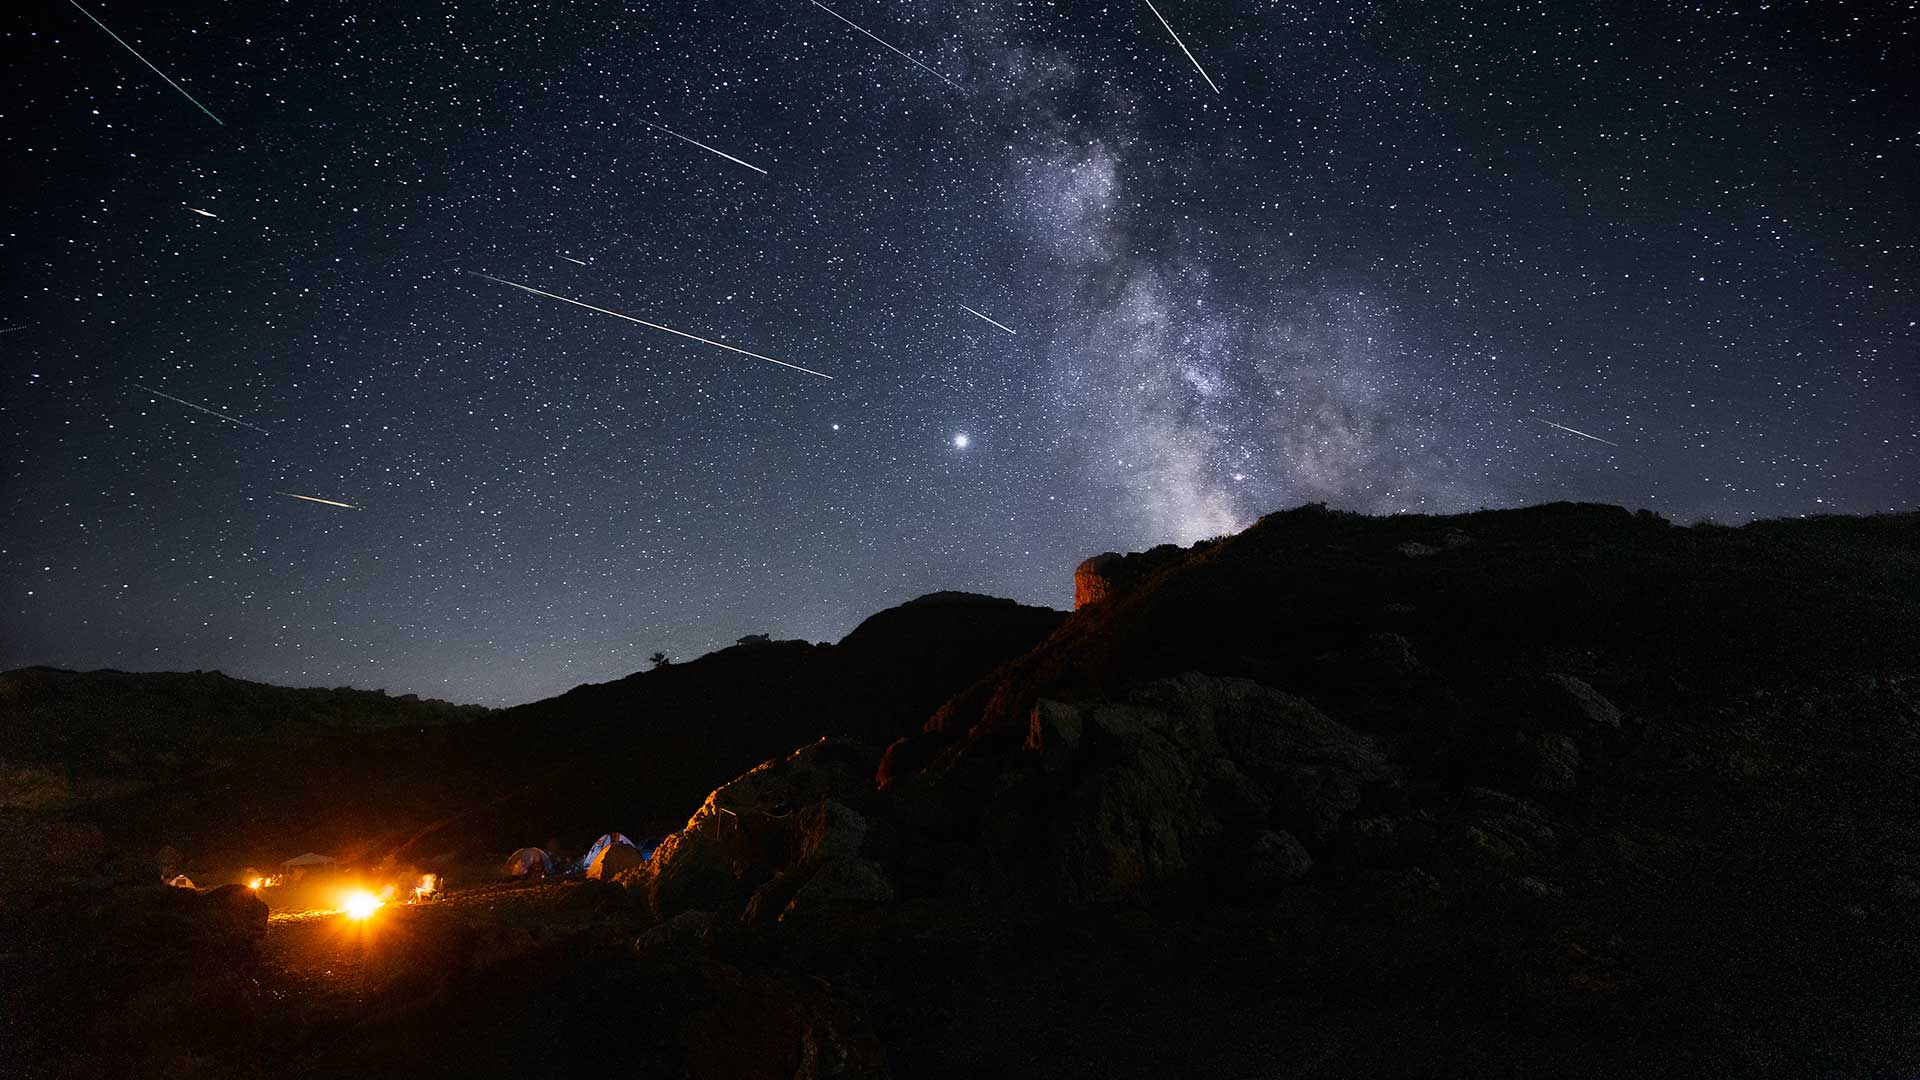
(1002, 326)
(1182, 44)
(316, 498)
(201, 212)
(149, 63)
(204, 409)
(702, 146)
(897, 52)
(571, 259)
(653, 325)
(1576, 431)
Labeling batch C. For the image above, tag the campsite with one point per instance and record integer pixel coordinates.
(1338, 795)
(843, 540)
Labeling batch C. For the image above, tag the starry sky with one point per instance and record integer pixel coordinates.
(1391, 256)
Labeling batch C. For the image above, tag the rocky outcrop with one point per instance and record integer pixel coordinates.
(773, 842)
(1092, 579)
(1191, 781)
(1111, 573)
(1568, 702)
(1189, 778)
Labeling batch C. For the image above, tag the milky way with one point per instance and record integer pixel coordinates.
(1390, 257)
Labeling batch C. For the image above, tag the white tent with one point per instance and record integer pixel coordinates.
(612, 859)
(311, 860)
(601, 845)
(529, 862)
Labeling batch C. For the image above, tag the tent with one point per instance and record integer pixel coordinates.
(180, 881)
(601, 845)
(529, 862)
(312, 862)
(612, 859)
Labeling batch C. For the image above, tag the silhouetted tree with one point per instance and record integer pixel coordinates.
(659, 660)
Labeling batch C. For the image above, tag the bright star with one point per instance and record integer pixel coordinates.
(960, 441)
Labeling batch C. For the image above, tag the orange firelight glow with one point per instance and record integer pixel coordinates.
(361, 904)
(256, 883)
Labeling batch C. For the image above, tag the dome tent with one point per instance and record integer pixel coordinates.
(612, 859)
(600, 845)
(529, 862)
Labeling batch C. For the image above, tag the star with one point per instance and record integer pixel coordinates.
(1226, 304)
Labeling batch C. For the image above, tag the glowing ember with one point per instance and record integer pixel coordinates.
(361, 904)
(256, 883)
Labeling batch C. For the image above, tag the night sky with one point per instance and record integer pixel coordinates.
(1398, 245)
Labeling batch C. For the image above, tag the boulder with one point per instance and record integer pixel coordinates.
(829, 830)
(1569, 702)
(828, 768)
(682, 939)
(1502, 836)
(769, 902)
(1145, 787)
(1382, 654)
(1411, 894)
(1265, 730)
(1276, 858)
(1552, 763)
(699, 868)
(838, 883)
(783, 815)
(240, 908)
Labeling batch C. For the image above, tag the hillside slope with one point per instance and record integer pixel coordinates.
(1562, 790)
(70, 736)
(230, 772)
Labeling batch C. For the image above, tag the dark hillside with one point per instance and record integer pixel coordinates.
(232, 772)
(1300, 599)
(645, 749)
(70, 735)
(1557, 791)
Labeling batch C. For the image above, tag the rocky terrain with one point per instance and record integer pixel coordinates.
(1558, 791)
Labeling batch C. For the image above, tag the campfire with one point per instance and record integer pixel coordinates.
(361, 904)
